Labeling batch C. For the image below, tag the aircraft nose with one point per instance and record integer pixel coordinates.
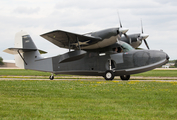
(157, 56)
(167, 57)
(137, 61)
(149, 57)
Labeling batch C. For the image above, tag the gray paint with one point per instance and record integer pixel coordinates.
(72, 56)
(28, 42)
(35, 62)
(118, 58)
(133, 40)
(93, 64)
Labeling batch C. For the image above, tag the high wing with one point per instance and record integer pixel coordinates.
(69, 40)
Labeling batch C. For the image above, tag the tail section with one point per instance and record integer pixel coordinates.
(23, 41)
(27, 56)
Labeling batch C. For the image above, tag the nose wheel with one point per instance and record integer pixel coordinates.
(51, 77)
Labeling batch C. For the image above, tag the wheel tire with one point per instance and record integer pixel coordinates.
(51, 77)
(109, 75)
(125, 77)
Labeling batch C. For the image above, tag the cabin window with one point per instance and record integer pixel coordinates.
(93, 54)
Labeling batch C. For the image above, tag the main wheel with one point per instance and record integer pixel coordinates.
(125, 77)
(51, 77)
(109, 75)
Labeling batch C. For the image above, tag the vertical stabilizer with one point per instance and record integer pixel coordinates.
(23, 41)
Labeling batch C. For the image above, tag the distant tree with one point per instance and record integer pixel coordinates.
(176, 63)
(1, 61)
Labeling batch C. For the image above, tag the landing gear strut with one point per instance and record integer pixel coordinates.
(109, 74)
(51, 77)
(125, 77)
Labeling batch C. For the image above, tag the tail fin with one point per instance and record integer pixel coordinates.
(23, 40)
(24, 45)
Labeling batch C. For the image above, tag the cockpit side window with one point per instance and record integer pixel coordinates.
(122, 47)
(117, 50)
(126, 47)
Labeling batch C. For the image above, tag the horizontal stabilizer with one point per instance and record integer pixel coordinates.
(21, 50)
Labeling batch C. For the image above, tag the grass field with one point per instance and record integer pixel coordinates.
(22, 72)
(122, 100)
(88, 100)
(158, 73)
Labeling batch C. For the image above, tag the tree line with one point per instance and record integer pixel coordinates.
(1, 61)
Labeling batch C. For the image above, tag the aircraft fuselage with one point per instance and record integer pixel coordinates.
(125, 63)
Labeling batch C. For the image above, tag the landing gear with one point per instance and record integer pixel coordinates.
(51, 77)
(109, 75)
(125, 77)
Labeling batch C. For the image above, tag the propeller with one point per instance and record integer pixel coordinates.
(123, 30)
(143, 36)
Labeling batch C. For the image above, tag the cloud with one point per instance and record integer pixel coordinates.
(25, 10)
(89, 4)
(166, 2)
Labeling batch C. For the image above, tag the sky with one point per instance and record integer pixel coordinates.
(41, 16)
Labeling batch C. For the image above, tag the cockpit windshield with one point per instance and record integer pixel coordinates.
(126, 47)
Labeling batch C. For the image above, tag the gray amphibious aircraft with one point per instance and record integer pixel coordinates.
(100, 53)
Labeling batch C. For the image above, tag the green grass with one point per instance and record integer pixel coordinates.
(131, 100)
(22, 72)
(158, 73)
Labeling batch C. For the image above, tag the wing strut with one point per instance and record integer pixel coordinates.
(78, 43)
(68, 42)
(21, 56)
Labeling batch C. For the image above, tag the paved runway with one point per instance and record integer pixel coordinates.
(87, 78)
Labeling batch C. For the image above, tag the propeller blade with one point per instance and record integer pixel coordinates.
(126, 35)
(121, 30)
(142, 27)
(146, 43)
(143, 36)
(119, 20)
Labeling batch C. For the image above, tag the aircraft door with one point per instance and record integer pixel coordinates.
(92, 60)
